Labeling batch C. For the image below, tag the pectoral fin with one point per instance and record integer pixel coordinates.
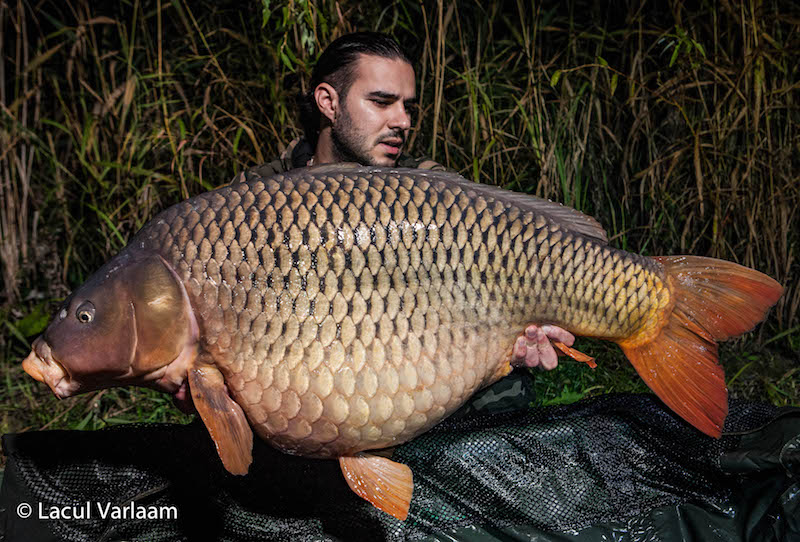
(384, 483)
(223, 417)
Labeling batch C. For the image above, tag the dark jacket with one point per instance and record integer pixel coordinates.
(299, 152)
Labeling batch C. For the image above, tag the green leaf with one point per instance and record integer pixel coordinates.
(265, 13)
(782, 334)
(602, 61)
(35, 322)
(565, 398)
(732, 380)
(287, 62)
(105, 218)
(614, 81)
(14, 331)
(674, 55)
(236, 139)
(84, 422)
(554, 79)
(292, 56)
(700, 48)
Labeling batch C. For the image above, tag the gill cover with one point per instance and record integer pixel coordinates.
(128, 319)
(161, 320)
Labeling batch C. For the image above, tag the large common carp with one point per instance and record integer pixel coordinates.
(341, 309)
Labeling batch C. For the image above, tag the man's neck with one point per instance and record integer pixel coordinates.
(323, 154)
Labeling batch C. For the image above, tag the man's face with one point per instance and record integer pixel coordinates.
(373, 120)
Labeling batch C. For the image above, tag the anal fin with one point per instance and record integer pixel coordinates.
(387, 485)
(223, 417)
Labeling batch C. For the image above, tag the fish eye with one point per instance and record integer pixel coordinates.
(85, 312)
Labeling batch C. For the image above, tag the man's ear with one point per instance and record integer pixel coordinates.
(327, 100)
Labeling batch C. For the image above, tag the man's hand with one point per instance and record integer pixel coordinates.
(533, 348)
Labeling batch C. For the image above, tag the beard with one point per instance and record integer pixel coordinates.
(350, 145)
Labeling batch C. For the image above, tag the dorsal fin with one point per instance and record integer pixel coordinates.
(566, 217)
(336, 167)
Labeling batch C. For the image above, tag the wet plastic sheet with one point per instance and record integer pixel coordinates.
(619, 467)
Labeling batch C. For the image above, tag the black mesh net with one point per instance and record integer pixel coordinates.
(618, 467)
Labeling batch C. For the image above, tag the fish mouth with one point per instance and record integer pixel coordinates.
(43, 367)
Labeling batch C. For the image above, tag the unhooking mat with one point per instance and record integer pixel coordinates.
(617, 467)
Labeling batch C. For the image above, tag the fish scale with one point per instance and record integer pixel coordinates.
(354, 311)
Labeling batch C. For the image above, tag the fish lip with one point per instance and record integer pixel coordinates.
(43, 367)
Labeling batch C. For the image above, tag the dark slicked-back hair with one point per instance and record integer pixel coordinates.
(336, 66)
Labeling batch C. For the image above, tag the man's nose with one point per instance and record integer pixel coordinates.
(400, 118)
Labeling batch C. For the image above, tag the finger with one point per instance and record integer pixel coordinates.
(535, 338)
(532, 358)
(532, 332)
(520, 352)
(547, 354)
(548, 358)
(559, 334)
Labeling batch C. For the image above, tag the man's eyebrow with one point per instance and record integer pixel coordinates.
(383, 95)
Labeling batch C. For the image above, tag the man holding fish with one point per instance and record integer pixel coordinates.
(358, 109)
(339, 310)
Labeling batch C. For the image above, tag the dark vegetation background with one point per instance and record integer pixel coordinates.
(678, 129)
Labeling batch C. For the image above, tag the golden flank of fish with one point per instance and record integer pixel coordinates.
(342, 309)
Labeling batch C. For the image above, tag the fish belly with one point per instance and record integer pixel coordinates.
(353, 310)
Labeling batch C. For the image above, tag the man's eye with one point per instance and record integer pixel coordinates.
(382, 103)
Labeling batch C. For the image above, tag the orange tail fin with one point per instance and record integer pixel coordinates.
(714, 300)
